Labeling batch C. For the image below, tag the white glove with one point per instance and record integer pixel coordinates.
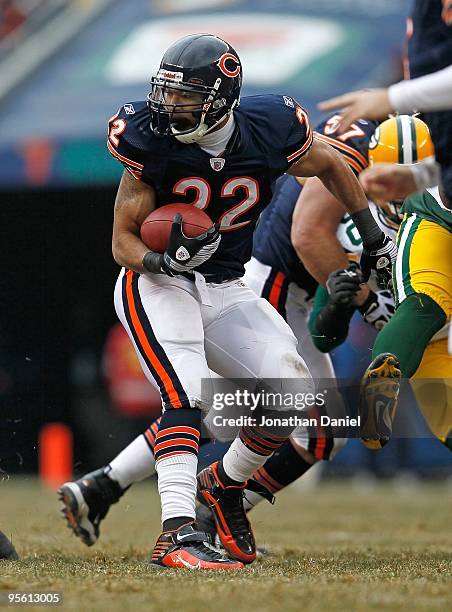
(378, 308)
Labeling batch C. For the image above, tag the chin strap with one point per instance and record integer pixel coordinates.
(202, 129)
(194, 136)
(199, 133)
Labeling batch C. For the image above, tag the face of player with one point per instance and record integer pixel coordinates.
(186, 117)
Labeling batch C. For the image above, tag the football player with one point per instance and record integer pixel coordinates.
(415, 339)
(429, 91)
(276, 273)
(318, 223)
(414, 343)
(323, 236)
(187, 309)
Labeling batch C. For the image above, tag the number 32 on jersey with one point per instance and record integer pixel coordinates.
(228, 219)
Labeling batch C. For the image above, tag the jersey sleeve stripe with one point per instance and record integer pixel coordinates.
(351, 162)
(124, 160)
(344, 148)
(304, 119)
(302, 149)
(134, 173)
(304, 113)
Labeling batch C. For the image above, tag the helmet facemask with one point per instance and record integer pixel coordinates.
(392, 211)
(187, 121)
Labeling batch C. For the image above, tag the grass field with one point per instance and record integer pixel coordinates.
(335, 548)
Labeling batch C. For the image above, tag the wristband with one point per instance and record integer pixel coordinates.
(426, 173)
(368, 229)
(152, 262)
(333, 320)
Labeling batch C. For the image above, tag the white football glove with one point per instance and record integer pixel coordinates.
(378, 308)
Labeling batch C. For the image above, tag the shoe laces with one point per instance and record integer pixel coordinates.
(207, 549)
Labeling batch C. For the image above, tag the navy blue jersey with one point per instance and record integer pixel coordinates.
(272, 245)
(272, 132)
(430, 49)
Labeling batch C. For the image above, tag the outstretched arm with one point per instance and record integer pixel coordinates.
(315, 220)
(323, 161)
(432, 92)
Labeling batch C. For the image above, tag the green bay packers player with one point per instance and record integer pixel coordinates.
(414, 342)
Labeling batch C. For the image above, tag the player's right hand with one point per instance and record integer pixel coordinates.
(343, 285)
(381, 260)
(364, 104)
(184, 254)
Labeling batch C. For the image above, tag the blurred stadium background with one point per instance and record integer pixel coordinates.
(65, 67)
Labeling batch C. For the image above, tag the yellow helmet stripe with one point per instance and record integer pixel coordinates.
(405, 156)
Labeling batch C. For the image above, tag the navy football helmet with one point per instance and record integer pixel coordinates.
(197, 85)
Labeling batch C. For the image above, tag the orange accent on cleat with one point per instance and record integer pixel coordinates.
(183, 559)
(223, 501)
(226, 537)
(188, 548)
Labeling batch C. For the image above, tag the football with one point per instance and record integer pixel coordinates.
(156, 228)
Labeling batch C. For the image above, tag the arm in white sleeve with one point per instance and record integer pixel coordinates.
(426, 173)
(432, 92)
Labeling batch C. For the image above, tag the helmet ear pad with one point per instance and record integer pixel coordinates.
(203, 64)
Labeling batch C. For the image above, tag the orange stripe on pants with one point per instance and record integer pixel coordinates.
(157, 365)
(275, 291)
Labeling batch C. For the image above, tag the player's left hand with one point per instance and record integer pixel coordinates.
(364, 104)
(378, 308)
(184, 254)
(343, 285)
(381, 260)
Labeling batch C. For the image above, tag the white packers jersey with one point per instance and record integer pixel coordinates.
(351, 241)
(348, 236)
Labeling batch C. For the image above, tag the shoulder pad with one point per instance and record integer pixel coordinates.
(130, 136)
(282, 123)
